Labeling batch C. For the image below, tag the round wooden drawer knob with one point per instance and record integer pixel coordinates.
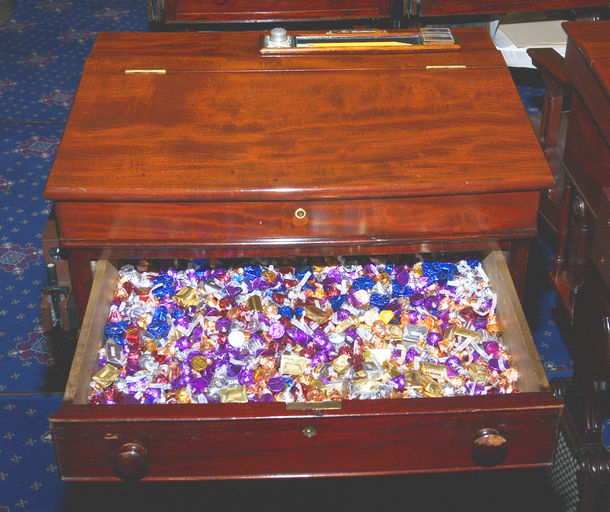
(489, 448)
(131, 462)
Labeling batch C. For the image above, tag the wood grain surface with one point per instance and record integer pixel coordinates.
(306, 132)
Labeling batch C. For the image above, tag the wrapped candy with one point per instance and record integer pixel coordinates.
(262, 332)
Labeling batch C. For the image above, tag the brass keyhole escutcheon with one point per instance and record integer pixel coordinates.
(300, 217)
(310, 431)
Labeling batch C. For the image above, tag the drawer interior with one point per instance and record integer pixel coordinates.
(516, 335)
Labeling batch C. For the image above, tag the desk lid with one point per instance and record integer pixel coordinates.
(216, 121)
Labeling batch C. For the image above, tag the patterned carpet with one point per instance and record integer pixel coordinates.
(42, 51)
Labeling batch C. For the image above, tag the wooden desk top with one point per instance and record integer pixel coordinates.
(224, 124)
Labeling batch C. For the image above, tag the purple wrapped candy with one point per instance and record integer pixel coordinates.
(479, 322)
(233, 291)
(318, 358)
(234, 370)
(320, 338)
(223, 324)
(453, 362)
(301, 337)
(132, 367)
(351, 334)
(394, 306)
(417, 299)
(196, 333)
(183, 343)
(334, 275)
(276, 330)
(492, 348)
(276, 384)
(433, 338)
(182, 322)
(402, 278)
(354, 302)
(342, 314)
(152, 395)
(179, 382)
(399, 382)
(199, 384)
(497, 364)
(431, 303)
(246, 378)
(411, 354)
(260, 284)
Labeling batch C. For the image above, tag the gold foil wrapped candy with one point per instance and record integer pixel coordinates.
(235, 394)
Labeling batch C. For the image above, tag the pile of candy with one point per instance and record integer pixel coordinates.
(261, 332)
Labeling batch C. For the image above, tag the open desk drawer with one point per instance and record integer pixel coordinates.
(363, 437)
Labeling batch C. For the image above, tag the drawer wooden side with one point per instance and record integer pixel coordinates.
(211, 441)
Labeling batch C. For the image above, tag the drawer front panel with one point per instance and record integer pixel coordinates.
(291, 223)
(245, 10)
(278, 447)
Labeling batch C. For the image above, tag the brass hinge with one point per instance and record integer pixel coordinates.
(145, 71)
(457, 66)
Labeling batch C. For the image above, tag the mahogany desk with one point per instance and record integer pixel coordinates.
(193, 144)
(429, 151)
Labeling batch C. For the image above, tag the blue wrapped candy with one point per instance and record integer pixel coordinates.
(298, 312)
(437, 271)
(401, 291)
(337, 301)
(379, 300)
(115, 331)
(167, 286)
(302, 270)
(251, 272)
(201, 264)
(159, 326)
(363, 283)
(285, 311)
(158, 329)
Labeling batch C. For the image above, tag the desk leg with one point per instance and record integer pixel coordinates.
(82, 279)
(518, 252)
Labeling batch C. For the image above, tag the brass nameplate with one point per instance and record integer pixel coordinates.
(313, 406)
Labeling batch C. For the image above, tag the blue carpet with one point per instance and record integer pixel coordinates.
(42, 52)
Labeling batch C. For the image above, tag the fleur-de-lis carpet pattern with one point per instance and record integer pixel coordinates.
(43, 48)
